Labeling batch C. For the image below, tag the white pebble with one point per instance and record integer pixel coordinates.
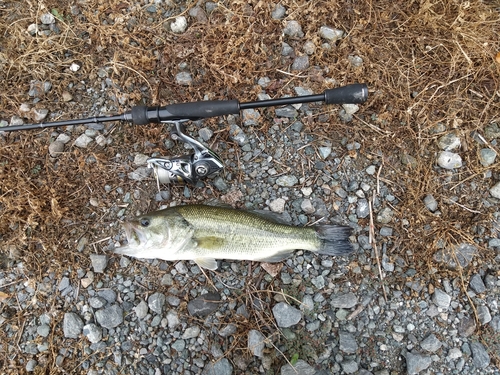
(179, 25)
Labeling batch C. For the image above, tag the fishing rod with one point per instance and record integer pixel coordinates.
(203, 162)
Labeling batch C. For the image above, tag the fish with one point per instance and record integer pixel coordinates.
(204, 233)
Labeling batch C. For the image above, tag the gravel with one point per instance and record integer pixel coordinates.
(156, 317)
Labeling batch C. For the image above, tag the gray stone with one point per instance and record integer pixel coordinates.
(483, 314)
(110, 317)
(307, 206)
(173, 319)
(72, 325)
(64, 138)
(205, 133)
(140, 174)
(324, 152)
(301, 367)
(449, 160)
(480, 357)
(385, 215)
(466, 326)
(300, 63)
(278, 12)
(476, 284)
(156, 302)
(191, 332)
(430, 202)
(349, 366)
(348, 342)
(293, 29)
(344, 301)
(221, 367)
(463, 253)
(495, 190)
(99, 262)
(362, 208)
(431, 343)
(287, 180)
(179, 25)
(256, 342)
(277, 205)
(237, 135)
(330, 34)
(416, 362)
(228, 330)
(250, 117)
(495, 323)
(83, 141)
(350, 109)
(355, 60)
(449, 142)
(92, 332)
(487, 156)
(43, 330)
(97, 302)
(286, 315)
(39, 114)
(56, 148)
(31, 365)
(47, 18)
(287, 111)
(441, 299)
(141, 310)
(179, 345)
(184, 78)
(220, 184)
(204, 305)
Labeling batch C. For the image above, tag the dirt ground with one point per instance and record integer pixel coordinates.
(432, 67)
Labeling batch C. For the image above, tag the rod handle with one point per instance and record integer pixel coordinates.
(352, 94)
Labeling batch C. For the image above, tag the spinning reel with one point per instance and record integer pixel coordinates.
(203, 162)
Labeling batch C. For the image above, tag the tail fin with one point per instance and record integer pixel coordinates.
(334, 239)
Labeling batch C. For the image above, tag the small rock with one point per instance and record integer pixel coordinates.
(309, 47)
(191, 332)
(277, 205)
(141, 310)
(110, 317)
(205, 134)
(99, 262)
(330, 34)
(286, 315)
(441, 299)
(477, 284)
(480, 357)
(156, 302)
(466, 326)
(449, 160)
(72, 325)
(172, 319)
(430, 202)
(487, 156)
(64, 138)
(416, 362)
(237, 135)
(362, 208)
(293, 29)
(179, 25)
(83, 141)
(228, 330)
(250, 117)
(350, 366)
(344, 301)
(431, 343)
(463, 253)
(301, 367)
(449, 142)
(307, 206)
(92, 332)
(221, 367)
(495, 323)
(74, 67)
(256, 343)
(179, 345)
(495, 190)
(204, 305)
(184, 78)
(56, 148)
(140, 174)
(43, 330)
(278, 12)
(324, 152)
(287, 180)
(141, 159)
(385, 215)
(483, 314)
(47, 18)
(40, 114)
(348, 342)
(300, 63)
(355, 60)
(287, 111)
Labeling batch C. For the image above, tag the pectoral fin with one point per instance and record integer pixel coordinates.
(208, 263)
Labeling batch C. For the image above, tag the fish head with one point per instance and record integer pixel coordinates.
(154, 235)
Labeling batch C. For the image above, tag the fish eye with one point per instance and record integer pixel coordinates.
(145, 222)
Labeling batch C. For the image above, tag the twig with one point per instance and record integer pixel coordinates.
(464, 207)
(290, 74)
(372, 242)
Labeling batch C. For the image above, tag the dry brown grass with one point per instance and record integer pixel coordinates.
(426, 62)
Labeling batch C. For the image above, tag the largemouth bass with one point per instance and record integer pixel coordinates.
(206, 233)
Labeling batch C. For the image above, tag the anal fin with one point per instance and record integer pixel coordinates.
(208, 263)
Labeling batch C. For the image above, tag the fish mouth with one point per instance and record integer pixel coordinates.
(135, 236)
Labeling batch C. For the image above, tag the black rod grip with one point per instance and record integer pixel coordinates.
(352, 94)
(142, 115)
